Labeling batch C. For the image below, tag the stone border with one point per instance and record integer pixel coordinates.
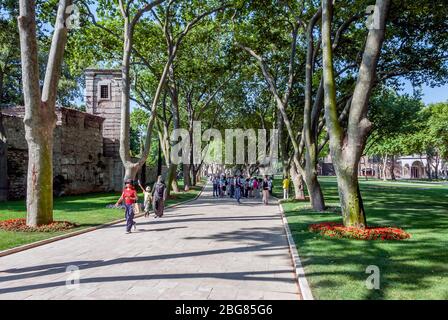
(79, 232)
(304, 287)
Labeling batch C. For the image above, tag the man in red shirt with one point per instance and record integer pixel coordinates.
(129, 196)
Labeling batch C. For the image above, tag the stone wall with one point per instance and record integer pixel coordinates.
(80, 166)
(79, 162)
(17, 156)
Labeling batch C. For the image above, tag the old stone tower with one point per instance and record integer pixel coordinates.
(103, 99)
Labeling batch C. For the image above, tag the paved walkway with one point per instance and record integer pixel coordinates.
(206, 249)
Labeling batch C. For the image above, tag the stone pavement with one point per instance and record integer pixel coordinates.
(205, 249)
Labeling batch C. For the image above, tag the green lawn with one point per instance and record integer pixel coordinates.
(412, 269)
(84, 210)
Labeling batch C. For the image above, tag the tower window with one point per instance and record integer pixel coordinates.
(104, 92)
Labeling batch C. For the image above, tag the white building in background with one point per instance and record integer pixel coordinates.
(405, 167)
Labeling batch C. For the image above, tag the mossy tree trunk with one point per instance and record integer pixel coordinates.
(3, 163)
(346, 146)
(40, 116)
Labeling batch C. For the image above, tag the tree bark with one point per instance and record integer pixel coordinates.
(346, 148)
(171, 179)
(384, 171)
(281, 103)
(436, 167)
(186, 168)
(132, 167)
(3, 163)
(297, 182)
(159, 160)
(283, 153)
(309, 132)
(392, 168)
(40, 116)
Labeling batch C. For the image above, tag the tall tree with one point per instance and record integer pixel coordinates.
(3, 162)
(346, 147)
(130, 20)
(40, 116)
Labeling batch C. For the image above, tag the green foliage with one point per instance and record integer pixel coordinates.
(432, 137)
(437, 127)
(394, 118)
(10, 72)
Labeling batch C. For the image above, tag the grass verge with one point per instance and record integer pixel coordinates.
(416, 268)
(83, 210)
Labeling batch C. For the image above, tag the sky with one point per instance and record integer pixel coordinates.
(430, 95)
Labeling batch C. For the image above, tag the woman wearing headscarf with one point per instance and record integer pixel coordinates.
(159, 197)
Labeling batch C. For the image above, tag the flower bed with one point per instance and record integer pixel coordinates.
(20, 225)
(338, 230)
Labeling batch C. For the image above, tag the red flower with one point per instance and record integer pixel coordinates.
(334, 229)
(20, 225)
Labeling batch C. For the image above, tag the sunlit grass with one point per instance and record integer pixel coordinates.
(84, 210)
(412, 269)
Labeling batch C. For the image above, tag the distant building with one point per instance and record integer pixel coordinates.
(405, 167)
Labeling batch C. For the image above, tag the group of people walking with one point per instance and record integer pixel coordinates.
(151, 200)
(238, 187)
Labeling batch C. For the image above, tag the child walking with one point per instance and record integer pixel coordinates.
(147, 198)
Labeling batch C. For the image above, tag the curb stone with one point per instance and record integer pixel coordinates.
(79, 232)
(300, 272)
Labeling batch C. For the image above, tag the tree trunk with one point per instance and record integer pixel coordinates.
(3, 163)
(346, 147)
(40, 117)
(392, 168)
(40, 177)
(196, 173)
(131, 167)
(159, 160)
(198, 176)
(130, 171)
(297, 182)
(283, 153)
(384, 169)
(186, 173)
(428, 169)
(171, 179)
(350, 198)
(314, 191)
(310, 116)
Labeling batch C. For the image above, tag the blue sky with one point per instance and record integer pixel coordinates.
(430, 95)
